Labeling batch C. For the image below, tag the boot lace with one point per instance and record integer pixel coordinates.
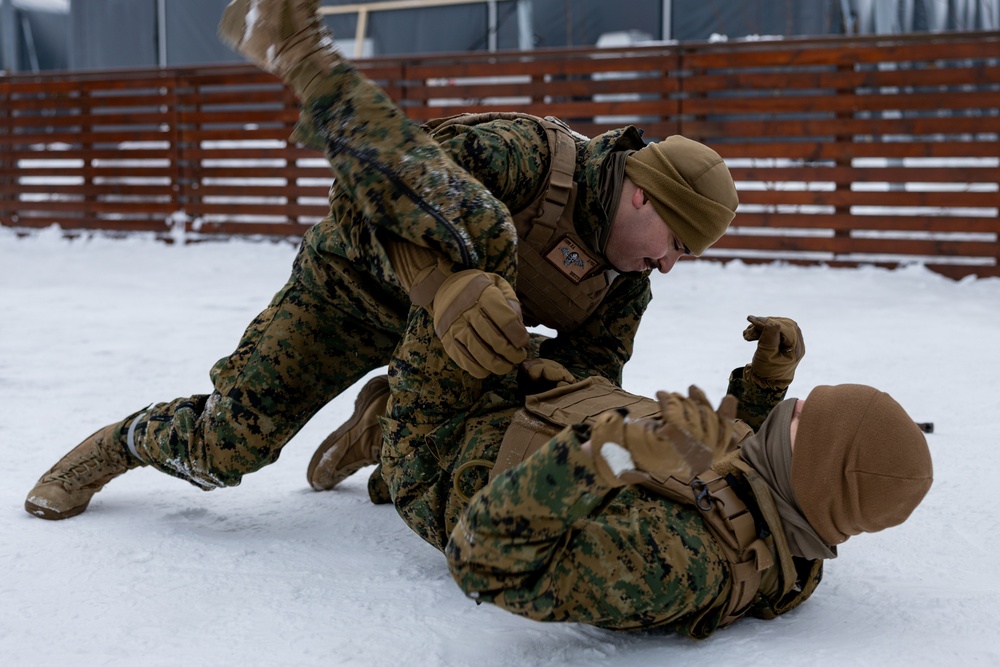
(81, 471)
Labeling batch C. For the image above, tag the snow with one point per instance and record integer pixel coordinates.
(157, 572)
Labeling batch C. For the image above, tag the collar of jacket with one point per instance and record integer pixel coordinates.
(589, 215)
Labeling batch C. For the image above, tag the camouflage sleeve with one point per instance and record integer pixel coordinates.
(603, 344)
(508, 157)
(401, 180)
(755, 402)
(546, 540)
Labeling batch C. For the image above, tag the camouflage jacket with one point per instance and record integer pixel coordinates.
(511, 159)
(547, 540)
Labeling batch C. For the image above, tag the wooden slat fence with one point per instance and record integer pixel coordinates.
(845, 151)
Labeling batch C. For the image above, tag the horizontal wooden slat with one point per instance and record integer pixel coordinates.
(744, 82)
(290, 191)
(818, 151)
(250, 228)
(90, 190)
(955, 271)
(847, 246)
(119, 224)
(856, 129)
(811, 174)
(102, 206)
(890, 198)
(847, 222)
(237, 210)
(109, 155)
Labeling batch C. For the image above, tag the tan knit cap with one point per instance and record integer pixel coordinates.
(860, 463)
(690, 188)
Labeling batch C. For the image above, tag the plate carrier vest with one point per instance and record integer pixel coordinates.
(560, 279)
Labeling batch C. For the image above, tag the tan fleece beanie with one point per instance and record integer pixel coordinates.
(860, 464)
(690, 187)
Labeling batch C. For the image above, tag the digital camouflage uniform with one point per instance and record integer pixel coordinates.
(343, 312)
(550, 541)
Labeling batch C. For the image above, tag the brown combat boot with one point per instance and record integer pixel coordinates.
(356, 444)
(66, 489)
(285, 37)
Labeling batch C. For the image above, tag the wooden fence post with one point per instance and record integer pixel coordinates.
(185, 100)
(175, 152)
(840, 140)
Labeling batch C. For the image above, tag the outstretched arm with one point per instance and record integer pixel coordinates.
(763, 383)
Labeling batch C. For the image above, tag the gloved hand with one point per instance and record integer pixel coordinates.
(546, 373)
(780, 348)
(694, 414)
(478, 318)
(630, 451)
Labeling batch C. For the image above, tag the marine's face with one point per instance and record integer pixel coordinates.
(640, 240)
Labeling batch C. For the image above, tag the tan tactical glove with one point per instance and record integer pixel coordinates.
(476, 314)
(695, 415)
(629, 452)
(546, 372)
(478, 318)
(780, 348)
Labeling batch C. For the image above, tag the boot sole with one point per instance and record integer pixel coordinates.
(52, 515)
(375, 387)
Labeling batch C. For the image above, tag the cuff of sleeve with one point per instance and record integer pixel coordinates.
(755, 401)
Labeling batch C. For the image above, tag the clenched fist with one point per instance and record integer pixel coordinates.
(478, 318)
(780, 348)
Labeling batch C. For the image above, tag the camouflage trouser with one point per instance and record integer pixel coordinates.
(342, 313)
(326, 328)
(443, 430)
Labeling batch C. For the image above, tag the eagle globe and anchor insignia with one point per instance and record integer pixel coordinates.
(571, 260)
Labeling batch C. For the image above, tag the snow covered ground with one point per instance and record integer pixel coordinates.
(157, 572)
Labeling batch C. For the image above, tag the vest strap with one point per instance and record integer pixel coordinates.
(560, 186)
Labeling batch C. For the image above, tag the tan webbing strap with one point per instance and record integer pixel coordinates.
(770, 513)
(732, 522)
(426, 289)
(560, 185)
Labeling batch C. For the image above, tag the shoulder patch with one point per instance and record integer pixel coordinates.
(571, 260)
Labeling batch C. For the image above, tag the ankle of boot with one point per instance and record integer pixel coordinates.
(129, 439)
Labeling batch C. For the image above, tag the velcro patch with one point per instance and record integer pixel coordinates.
(571, 260)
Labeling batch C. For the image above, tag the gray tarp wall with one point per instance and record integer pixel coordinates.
(33, 36)
(182, 32)
(100, 34)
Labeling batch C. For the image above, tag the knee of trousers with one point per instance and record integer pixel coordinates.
(210, 441)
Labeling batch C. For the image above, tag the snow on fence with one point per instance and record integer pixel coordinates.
(845, 151)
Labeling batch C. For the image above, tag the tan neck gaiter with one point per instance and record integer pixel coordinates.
(769, 452)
